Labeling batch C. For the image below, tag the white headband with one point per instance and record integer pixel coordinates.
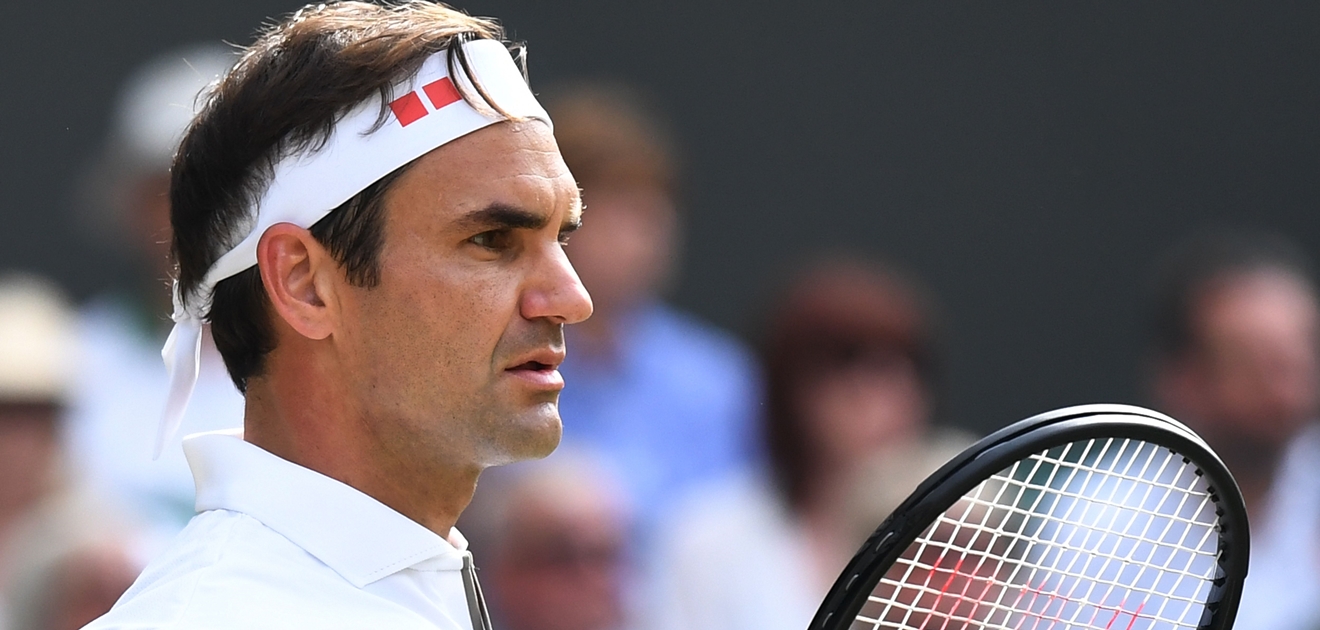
(427, 112)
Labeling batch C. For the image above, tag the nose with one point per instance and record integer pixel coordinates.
(555, 291)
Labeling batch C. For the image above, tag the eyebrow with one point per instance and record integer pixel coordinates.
(502, 216)
(498, 215)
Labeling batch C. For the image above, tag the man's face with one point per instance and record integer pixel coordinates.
(1254, 376)
(29, 442)
(562, 566)
(453, 355)
(852, 412)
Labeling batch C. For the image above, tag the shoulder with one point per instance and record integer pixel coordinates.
(227, 570)
(731, 559)
(727, 517)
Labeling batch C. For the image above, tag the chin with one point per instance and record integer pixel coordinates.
(533, 434)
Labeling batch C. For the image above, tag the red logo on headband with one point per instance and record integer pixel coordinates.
(409, 108)
(441, 92)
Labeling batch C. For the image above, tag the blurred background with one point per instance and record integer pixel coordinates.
(875, 225)
(1029, 163)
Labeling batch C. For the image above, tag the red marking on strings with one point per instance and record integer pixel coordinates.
(1018, 604)
(1114, 618)
(944, 589)
(1044, 613)
(987, 581)
(408, 108)
(1026, 588)
(1095, 612)
(441, 92)
(1120, 610)
(1135, 615)
(1035, 592)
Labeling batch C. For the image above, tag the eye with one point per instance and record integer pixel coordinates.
(494, 240)
(567, 231)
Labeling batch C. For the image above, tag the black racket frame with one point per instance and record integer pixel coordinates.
(1001, 449)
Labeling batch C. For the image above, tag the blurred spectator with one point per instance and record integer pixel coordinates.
(550, 536)
(1236, 358)
(852, 378)
(122, 385)
(665, 398)
(64, 556)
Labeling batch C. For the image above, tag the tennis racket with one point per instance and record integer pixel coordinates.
(1101, 516)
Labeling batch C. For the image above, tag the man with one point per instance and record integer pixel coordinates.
(1238, 358)
(368, 217)
(667, 400)
(852, 362)
(36, 353)
(64, 554)
(551, 535)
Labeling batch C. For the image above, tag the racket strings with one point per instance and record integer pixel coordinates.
(1056, 593)
(1090, 575)
(1112, 533)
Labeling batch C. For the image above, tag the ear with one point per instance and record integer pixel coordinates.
(299, 276)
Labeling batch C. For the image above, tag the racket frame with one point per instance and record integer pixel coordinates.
(999, 450)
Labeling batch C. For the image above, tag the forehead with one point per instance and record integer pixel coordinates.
(515, 163)
(1254, 301)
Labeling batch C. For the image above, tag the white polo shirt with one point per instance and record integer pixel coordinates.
(276, 545)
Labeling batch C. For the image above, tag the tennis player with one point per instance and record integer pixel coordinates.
(368, 216)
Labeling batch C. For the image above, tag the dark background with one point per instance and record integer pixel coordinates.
(1029, 161)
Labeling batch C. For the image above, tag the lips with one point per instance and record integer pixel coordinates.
(539, 370)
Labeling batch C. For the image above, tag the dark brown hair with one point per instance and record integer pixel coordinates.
(284, 95)
(839, 311)
(1199, 263)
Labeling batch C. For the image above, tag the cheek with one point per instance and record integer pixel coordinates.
(432, 328)
(852, 415)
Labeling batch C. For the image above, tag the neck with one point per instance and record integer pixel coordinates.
(825, 526)
(300, 410)
(826, 502)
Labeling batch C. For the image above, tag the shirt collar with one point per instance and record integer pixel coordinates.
(357, 536)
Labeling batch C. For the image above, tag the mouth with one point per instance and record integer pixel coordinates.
(541, 372)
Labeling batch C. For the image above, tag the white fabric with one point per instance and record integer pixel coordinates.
(305, 187)
(276, 545)
(114, 412)
(1283, 580)
(733, 560)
